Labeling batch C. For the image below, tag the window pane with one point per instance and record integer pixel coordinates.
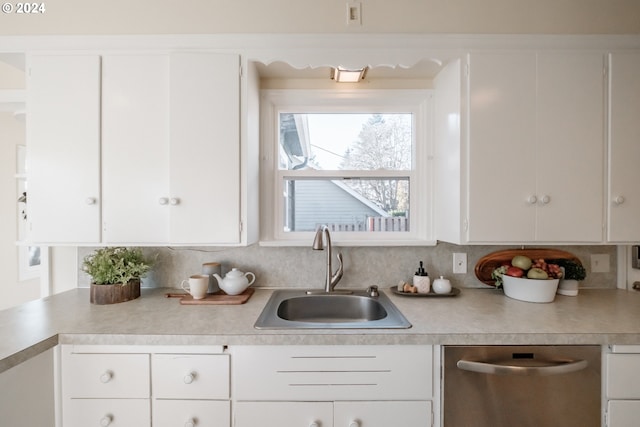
(345, 141)
(347, 205)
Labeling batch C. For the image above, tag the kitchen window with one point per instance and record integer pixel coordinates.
(355, 160)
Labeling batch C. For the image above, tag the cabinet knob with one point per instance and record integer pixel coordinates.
(163, 200)
(106, 420)
(532, 199)
(315, 424)
(189, 378)
(90, 201)
(190, 423)
(545, 199)
(355, 423)
(174, 201)
(619, 200)
(106, 377)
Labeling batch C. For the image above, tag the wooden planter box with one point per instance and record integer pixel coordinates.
(113, 294)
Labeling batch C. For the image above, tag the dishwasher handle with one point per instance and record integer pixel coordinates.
(552, 368)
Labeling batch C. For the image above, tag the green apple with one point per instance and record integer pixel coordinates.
(537, 273)
(522, 262)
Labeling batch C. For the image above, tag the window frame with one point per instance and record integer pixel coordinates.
(419, 102)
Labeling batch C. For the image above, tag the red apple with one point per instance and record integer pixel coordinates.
(514, 272)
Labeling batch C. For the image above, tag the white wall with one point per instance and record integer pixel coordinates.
(12, 290)
(328, 16)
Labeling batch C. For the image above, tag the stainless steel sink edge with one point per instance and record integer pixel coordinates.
(269, 318)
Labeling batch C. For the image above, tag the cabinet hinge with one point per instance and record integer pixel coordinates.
(241, 71)
(467, 69)
(241, 226)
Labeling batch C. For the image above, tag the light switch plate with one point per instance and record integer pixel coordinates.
(600, 263)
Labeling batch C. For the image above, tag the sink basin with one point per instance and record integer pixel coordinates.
(294, 309)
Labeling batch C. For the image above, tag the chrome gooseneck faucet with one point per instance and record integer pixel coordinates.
(323, 237)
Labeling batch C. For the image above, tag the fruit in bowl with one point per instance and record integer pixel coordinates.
(528, 280)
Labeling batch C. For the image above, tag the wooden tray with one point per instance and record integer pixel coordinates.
(219, 298)
(430, 294)
(488, 263)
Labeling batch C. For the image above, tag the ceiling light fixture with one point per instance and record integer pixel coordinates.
(342, 75)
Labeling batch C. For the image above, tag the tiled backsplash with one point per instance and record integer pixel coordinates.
(363, 266)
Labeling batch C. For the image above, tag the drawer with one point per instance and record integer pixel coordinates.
(105, 375)
(204, 413)
(332, 372)
(190, 376)
(623, 376)
(107, 412)
(623, 413)
(283, 414)
(383, 414)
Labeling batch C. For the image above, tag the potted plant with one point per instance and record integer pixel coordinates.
(116, 274)
(573, 273)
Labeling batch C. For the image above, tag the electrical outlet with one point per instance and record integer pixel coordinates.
(354, 14)
(460, 263)
(600, 263)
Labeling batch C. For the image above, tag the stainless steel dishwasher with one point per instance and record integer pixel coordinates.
(521, 386)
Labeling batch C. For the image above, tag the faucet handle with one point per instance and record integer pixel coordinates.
(373, 291)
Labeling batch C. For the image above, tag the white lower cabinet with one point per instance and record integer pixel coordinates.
(144, 386)
(622, 386)
(339, 386)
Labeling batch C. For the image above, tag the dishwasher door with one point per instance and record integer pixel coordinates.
(522, 386)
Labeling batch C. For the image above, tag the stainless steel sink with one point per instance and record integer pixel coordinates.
(295, 309)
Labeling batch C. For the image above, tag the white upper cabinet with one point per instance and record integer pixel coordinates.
(623, 203)
(63, 145)
(571, 147)
(171, 143)
(135, 148)
(532, 155)
(205, 148)
(502, 147)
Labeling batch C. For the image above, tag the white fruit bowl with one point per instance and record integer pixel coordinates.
(530, 290)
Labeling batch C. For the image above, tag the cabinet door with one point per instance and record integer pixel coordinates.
(283, 414)
(205, 148)
(624, 148)
(200, 413)
(63, 144)
(382, 414)
(502, 137)
(570, 149)
(135, 135)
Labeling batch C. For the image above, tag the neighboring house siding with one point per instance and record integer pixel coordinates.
(323, 202)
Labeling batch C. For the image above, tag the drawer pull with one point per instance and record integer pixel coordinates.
(106, 420)
(190, 423)
(189, 378)
(106, 377)
(355, 423)
(315, 424)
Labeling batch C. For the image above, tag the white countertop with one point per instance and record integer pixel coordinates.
(476, 316)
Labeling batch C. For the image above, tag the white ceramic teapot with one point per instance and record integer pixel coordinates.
(235, 282)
